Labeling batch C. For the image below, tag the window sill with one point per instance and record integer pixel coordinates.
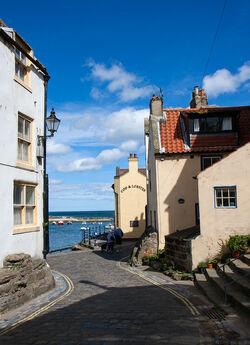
(23, 229)
(27, 166)
(19, 81)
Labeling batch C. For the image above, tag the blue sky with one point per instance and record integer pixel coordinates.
(106, 58)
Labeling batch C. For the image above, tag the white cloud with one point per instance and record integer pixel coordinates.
(125, 124)
(223, 81)
(129, 145)
(118, 80)
(96, 93)
(92, 163)
(55, 182)
(88, 191)
(121, 131)
(83, 164)
(110, 156)
(57, 148)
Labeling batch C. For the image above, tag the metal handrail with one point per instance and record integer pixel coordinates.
(222, 271)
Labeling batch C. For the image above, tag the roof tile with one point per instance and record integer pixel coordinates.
(172, 138)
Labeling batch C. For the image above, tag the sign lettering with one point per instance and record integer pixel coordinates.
(133, 186)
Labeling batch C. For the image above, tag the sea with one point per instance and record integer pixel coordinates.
(64, 236)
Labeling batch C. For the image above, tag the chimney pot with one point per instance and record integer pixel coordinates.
(130, 155)
(135, 155)
(199, 98)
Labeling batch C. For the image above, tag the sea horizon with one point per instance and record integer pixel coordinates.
(83, 214)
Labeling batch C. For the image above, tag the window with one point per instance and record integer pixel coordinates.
(225, 197)
(20, 65)
(197, 214)
(24, 139)
(207, 161)
(24, 197)
(212, 124)
(134, 223)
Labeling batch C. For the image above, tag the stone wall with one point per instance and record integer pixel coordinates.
(147, 243)
(179, 253)
(21, 279)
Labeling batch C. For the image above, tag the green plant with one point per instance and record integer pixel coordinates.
(202, 265)
(15, 267)
(161, 253)
(238, 243)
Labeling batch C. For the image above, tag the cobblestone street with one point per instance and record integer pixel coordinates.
(109, 305)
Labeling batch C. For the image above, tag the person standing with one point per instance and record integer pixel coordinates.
(110, 242)
(118, 238)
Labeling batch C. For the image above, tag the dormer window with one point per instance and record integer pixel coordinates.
(212, 124)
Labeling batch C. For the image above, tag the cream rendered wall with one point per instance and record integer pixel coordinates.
(218, 224)
(151, 183)
(174, 182)
(117, 205)
(132, 201)
(16, 98)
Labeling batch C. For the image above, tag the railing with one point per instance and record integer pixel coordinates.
(91, 233)
(221, 271)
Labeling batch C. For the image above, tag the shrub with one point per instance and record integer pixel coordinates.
(238, 243)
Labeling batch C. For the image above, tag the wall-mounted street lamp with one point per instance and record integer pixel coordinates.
(51, 124)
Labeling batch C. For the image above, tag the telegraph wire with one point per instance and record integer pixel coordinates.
(213, 42)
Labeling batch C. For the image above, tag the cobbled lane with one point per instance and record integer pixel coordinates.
(108, 305)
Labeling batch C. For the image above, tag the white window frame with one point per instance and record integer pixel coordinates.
(22, 203)
(23, 140)
(225, 197)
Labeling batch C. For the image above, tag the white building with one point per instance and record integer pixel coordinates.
(22, 107)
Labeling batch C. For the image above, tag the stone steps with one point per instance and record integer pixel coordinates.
(246, 259)
(241, 283)
(241, 267)
(238, 294)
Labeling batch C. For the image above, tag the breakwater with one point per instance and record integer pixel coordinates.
(79, 219)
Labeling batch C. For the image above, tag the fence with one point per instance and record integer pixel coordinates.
(90, 234)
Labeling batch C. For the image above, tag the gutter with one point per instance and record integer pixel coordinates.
(34, 61)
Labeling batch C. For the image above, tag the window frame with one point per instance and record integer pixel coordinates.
(24, 226)
(22, 62)
(221, 188)
(21, 162)
(134, 223)
(194, 117)
(209, 156)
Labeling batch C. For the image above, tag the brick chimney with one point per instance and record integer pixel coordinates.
(133, 163)
(156, 106)
(199, 98)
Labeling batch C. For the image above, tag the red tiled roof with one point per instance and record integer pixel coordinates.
(142, 171)
(170, 132)
(124, 171)
(223, 140)
(172, 137)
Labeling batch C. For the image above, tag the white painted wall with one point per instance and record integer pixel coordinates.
(16, 98)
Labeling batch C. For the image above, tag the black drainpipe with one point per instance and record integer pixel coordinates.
(45, 179)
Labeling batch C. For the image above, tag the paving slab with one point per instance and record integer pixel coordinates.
(110, 304)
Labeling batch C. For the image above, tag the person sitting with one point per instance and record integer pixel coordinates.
(118, 238)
